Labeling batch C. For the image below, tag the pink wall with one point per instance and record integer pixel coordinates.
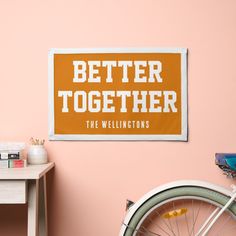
(93, 179)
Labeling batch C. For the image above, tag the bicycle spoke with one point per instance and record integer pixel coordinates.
(171, 227)
(230, 228)
(176, 221)
(159, 227)
(206, 222)
(187, 224)
(195, 221)
(146, 231)
(163, 221)
(150, 232)
(224, 223)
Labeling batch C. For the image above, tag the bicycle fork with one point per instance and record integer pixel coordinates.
(215, 215)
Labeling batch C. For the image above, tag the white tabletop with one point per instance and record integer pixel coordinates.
(29, 172)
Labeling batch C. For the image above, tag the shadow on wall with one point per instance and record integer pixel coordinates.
(13, 217)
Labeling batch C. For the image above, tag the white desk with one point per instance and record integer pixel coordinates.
(27, 185)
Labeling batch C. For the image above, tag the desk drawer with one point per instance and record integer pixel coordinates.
(12, 191)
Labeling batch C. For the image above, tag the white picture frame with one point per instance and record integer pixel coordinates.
(184, 104)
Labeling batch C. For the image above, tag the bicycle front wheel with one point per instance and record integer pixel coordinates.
(183, 211)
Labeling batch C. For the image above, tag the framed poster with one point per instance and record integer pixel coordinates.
(118, 94)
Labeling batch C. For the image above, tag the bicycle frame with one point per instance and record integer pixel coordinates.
(207, 224)
(217, 213)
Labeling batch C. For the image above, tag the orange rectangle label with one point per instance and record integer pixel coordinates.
(118, 94)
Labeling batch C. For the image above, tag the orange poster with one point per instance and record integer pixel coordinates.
(118, 94)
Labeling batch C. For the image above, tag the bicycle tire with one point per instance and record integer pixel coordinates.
(208, 195)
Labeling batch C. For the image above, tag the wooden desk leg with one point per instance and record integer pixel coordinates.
(33, 188)
(43, 225)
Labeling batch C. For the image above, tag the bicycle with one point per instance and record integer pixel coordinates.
(185, 208)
